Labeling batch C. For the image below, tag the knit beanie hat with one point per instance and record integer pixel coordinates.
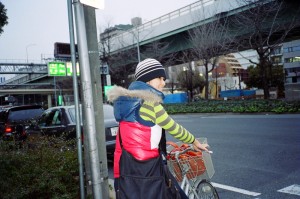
(149, 69)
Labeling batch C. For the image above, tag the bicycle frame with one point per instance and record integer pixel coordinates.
(188, 186)
(195, 184)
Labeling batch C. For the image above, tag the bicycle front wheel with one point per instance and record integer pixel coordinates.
(205, 190)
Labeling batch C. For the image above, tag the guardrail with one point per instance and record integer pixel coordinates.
(167, 17)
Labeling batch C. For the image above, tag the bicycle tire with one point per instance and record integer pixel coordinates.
(205, 190)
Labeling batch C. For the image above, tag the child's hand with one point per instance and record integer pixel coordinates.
(200, 147)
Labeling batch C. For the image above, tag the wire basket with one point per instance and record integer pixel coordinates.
(196, 165)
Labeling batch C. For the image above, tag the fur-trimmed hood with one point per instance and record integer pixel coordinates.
(136, 90)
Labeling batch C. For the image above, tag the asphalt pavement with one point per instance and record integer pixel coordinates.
(255, 156)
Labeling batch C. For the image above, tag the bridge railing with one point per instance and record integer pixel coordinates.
(172, 15)
(165, 18)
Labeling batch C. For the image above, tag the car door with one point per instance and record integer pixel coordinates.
(53, 123)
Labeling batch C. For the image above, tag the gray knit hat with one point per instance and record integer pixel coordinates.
(149, 69)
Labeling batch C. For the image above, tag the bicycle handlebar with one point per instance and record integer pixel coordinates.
(181, 152)
(190, 148)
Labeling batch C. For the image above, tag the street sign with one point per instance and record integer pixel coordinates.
(57, 69)
(106, 88)
(70, 68)
(104, 69)
(108, 80)
(94, 3)
(63, 51)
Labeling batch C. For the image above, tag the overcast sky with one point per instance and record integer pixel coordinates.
(35, 25)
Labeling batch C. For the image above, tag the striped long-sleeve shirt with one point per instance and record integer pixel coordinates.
(154, 112)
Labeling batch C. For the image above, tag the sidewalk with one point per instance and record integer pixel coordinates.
(112, 194)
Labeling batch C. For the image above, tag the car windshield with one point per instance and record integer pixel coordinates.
(108, 111)
(26, 114)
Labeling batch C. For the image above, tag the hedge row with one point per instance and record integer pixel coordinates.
(235, 106)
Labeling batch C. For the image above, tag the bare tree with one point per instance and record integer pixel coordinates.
(156, 49)
(190, 81)
(122, 63)
(118, 62)
(209, 41)
(265, 26)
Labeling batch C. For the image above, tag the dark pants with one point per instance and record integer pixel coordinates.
(182, 194)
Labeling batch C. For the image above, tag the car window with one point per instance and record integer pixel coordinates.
(108, 111)
(26, 114)
(72, 114)
(50, 118)
(2, 116)
(56, 118)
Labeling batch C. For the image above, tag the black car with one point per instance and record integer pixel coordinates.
(61, 121)
(14, 120)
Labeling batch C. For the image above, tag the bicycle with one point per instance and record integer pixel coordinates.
(193, 170)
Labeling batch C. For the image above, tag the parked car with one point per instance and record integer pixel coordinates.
(61, 121)
(14, 120)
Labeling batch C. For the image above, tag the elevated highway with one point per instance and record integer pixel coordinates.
(171, 28)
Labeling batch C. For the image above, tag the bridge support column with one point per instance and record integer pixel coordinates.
(49, 101)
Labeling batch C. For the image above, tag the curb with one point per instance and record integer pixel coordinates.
(112, 193)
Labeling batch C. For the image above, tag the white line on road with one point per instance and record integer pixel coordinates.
(234, 189)
(293, 189)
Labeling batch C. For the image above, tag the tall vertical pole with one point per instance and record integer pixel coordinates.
(55, 96)
(94, 59)
(88, 103)
(76, 99)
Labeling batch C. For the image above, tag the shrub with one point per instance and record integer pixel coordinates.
(42, 170)
(234, 106)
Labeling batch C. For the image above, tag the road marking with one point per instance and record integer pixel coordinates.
(293, 189)
(234, 189)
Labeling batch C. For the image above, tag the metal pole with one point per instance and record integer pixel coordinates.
(27, 50)
(91, 31)
(76, 99)
(138, 45)
(55, 100)
(88, 104)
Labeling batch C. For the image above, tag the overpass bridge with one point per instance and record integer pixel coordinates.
(172, 28)
(173, 24)
(32, 84)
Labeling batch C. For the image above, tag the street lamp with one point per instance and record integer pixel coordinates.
(29, 45)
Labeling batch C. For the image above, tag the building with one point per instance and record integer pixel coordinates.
(291, 59)
(287, 55)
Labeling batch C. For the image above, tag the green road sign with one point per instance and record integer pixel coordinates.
(57, 69)
(70, 68)
(106, 88)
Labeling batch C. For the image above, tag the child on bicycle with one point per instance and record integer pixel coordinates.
(142, 120)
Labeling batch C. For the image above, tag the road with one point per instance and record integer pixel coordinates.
(254, 155)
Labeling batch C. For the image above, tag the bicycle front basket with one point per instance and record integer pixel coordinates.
(194, 165)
